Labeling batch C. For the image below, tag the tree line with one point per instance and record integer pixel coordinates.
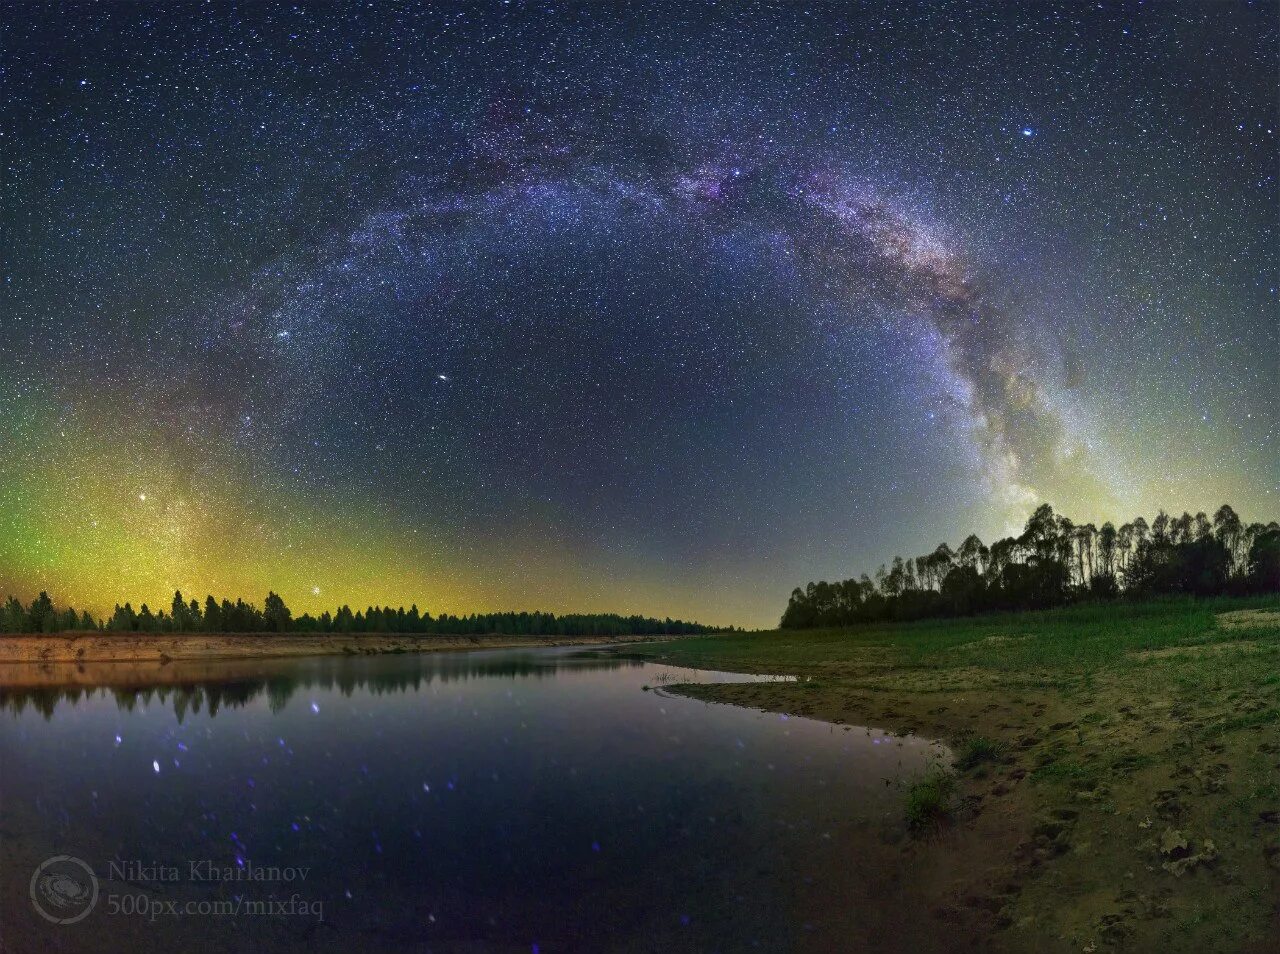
(214, 616)
(1052, 562)
(42, 617)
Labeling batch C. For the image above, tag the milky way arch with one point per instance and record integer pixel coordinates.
(850, 243)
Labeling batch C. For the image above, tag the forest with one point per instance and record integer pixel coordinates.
(213, 616)
(1052, 562)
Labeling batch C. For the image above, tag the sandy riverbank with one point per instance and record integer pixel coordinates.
(156, 647)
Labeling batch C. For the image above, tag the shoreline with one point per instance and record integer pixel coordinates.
(1127, 793)
(963, 874)
(27, 650)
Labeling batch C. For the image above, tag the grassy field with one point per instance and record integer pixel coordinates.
(1117, 780)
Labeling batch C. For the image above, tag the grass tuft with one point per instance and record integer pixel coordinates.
(929, 800)
(977, 750)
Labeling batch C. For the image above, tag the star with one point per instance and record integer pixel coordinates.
(699, 277)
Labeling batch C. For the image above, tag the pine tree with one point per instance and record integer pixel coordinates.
(276, 614)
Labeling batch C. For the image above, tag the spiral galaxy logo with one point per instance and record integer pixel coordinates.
(63, 889)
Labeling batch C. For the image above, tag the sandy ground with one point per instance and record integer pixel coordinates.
(957, 881)
(153, 647)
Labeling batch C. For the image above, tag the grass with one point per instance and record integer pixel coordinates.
(929, 800)
(977, 750)
(1074, 639)
(1085, 732)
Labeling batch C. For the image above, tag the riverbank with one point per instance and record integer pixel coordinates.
(1119, 777)
(88, 647)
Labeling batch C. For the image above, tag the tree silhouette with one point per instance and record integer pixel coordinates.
(1054, 561)
(276, 615)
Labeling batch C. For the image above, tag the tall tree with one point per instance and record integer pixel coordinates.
(277, 615)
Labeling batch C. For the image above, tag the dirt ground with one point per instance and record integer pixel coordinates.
(154, 647)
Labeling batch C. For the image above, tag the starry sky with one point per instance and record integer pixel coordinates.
(658, 308)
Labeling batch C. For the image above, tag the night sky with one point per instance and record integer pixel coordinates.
(658, 308)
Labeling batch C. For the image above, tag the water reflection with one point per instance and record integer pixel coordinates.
(486, 801)
(193, 686)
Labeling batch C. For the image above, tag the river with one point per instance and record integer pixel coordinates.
(508, 800)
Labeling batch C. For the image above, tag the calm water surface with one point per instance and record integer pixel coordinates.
(509, 800)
